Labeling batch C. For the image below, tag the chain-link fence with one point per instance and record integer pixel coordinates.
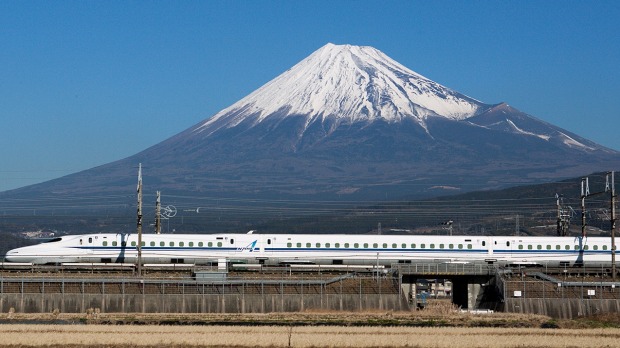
(75, 294)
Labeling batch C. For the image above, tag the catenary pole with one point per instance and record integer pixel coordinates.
(139, 221)
(613, 227)
(158, 213)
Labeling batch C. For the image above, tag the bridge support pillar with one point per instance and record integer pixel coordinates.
(473, 293)
(467, 292)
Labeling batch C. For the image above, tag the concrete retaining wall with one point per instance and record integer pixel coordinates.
(562, 308)
(196, 303)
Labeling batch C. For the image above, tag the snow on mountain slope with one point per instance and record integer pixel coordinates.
(502, 117)
(347, 83)
(569, 141)
(521, 131)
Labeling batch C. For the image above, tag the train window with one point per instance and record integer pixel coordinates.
(604, 247)
(595, 247)
(529, 247)
(484, 243)
(232, 241)
(219, 244)
(451, 246)
(432, 246)
(191, 244)
(289, 245)
(356, 245)
(346, 245)
(181, 244)
(469, 246)
(422, 246)
(201, 244)
(308, 245)
(161, 244)
(385, 245)
(90, 240)
(404, 246)
(210, 244)
(299, 245)
(365, 245)
(441, 246)
(219, 238)
(124, 243)
(327, 245)
(105, 243)
(413, 246)
(548, 247)
(375, 245)
(586, 247)
(460, 246)
(143, 243)
(507, 244)
(114, 243)
(269, 241)
(318, 245)
(567, 247)
(152, 243)
(576, 247)
(133, 243)
(171, 244)
(337, 245)
(558, 247)
(539, 247)
(520, 246)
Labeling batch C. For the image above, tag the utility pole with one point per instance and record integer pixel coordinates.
(139, 222)
(517, 228)
(612, 189)
(563, 221)
(559, 220)
(158, 213)
(585, 191)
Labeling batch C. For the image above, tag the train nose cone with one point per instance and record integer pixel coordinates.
(12, 255)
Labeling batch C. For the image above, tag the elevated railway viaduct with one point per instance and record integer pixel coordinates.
(557, 292)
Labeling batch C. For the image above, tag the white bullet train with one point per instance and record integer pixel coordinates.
(336, 249)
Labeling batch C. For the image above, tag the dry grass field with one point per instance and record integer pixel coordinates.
(27, 335)
(441, 325)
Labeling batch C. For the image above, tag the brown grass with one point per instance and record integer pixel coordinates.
(439, 316)
(440, 325)
(20, 335)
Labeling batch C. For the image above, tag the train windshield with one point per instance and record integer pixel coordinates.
(53, 240)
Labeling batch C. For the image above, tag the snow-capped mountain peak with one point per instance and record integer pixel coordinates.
(348, 83)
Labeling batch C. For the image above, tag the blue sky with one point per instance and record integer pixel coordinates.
(84, 83)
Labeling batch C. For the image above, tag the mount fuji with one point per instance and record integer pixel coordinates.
(348, 122)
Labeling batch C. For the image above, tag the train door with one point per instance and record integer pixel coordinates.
(90, 244)
(121, 244)
(502, 248)
(490, 245)
(507, 246)
(266, 245)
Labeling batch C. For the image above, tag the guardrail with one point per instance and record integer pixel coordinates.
(444, 269)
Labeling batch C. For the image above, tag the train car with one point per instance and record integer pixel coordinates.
(334, 249)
